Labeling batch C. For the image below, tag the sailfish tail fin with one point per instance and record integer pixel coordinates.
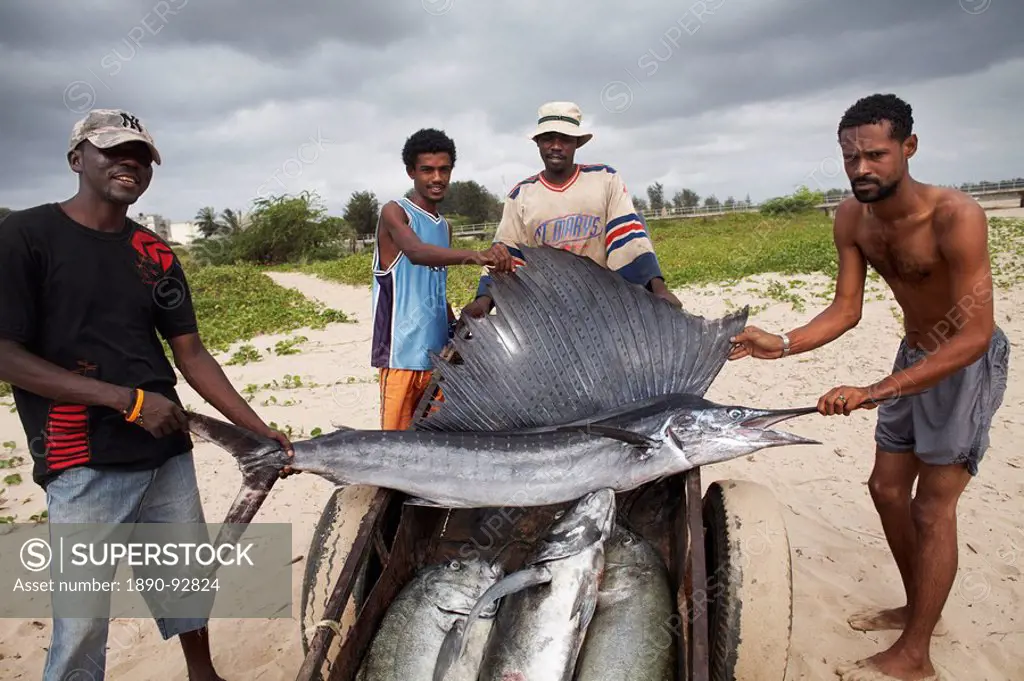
(260, 459)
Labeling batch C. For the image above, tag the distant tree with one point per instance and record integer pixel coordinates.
(362, 211)
(472, 200)
(729, 202)
(231, 222)
(337, 228)
(285, 229)
(640, 203)
(748, 202)
(711, 202)
(686, 198)
(206, 222)
(656, 196)
(279, 229)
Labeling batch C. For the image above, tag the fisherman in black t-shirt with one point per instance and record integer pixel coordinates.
(83, 293)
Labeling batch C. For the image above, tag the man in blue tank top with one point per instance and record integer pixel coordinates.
(411, 313)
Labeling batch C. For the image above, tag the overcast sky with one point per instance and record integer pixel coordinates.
(731, 97)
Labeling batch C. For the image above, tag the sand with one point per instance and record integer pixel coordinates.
(840, 560)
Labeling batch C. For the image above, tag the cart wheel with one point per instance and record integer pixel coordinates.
(750, 582)
(330, 546)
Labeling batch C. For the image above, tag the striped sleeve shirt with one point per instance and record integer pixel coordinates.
(592, 215)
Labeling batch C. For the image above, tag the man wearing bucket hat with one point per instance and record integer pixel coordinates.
(583, 208)
(83, 292)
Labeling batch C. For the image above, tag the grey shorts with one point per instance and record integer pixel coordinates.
(948, 423)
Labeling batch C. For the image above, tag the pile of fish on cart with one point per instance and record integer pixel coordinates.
(543, 517)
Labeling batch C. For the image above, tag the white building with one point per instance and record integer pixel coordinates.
(184, 232)
(157, 223)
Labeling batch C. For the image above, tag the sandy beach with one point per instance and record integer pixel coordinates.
(841, 562)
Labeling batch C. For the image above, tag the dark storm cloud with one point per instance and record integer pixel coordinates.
(692, 58)
(268, 28)
(233, 89)
(662, 60)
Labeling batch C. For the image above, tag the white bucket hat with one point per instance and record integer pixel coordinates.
(561, 117)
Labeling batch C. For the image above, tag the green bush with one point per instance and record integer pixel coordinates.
(802, 200)
(239, 302)
(279, 230)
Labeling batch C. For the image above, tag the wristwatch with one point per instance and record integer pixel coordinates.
(785, 344)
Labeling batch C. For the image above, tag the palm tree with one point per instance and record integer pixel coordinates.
(233, 222)
(206, 221)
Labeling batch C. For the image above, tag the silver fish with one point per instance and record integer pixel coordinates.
(630, 638)
(540, 627)
(620, 450)
(431, 608)
(579, 381)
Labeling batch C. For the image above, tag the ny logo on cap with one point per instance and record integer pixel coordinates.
(129, 121)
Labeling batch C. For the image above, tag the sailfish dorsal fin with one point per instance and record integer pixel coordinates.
(571, 339)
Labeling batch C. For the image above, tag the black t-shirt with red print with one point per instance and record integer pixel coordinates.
(92, 302)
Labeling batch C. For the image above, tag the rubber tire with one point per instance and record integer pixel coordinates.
(750, 582)
(329, 547)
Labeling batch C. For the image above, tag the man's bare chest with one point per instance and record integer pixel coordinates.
(909, 256)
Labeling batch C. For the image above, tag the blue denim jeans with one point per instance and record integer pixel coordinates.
(169, 494)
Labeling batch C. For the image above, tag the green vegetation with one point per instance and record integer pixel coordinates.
(802, 199)
(1006, 247)
(239, 302)
(244, 355)
(722, 250)
(277, 230)
(719, 249)
(691, 251)
(355, 271)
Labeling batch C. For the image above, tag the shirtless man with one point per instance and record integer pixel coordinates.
(930, 244)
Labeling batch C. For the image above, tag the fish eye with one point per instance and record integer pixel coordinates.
(454, 565)
(735, 413)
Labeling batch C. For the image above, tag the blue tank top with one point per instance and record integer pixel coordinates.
(410, 302)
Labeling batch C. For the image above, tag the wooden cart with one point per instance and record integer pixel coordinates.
(727, 552)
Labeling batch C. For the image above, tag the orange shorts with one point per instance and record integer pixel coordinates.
(400, 392)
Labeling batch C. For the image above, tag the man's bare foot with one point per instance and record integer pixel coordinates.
(890, 665)
(887, 619)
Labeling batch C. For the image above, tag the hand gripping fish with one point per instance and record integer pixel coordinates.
(548, 606)
(580, 381)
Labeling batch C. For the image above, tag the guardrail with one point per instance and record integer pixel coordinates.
(977, 189)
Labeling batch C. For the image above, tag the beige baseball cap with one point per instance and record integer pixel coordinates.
(107, 128)
(562, 117)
